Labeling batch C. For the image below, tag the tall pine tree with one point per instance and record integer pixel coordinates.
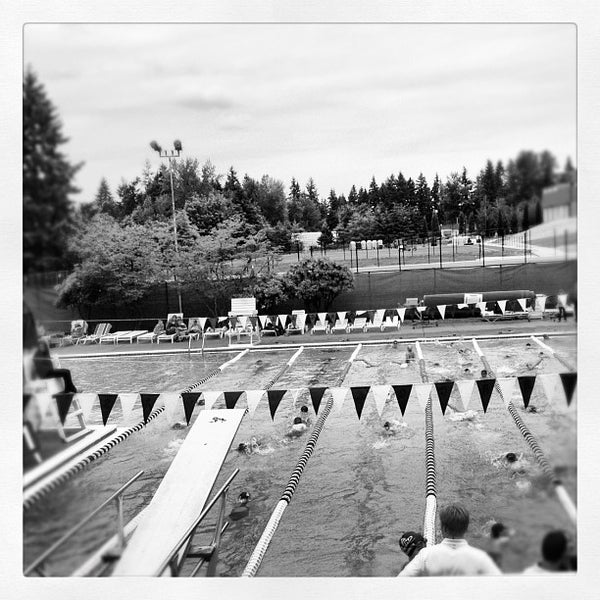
(47, 182)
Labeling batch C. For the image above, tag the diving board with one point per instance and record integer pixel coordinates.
(182, 494)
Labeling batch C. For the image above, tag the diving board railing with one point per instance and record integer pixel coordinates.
(37, 566)
(172, 515)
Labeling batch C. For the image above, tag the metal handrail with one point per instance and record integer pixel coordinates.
(190, 530)
(117, 495)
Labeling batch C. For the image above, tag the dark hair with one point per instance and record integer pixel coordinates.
(387, 424)
(484, 373)
(511, 457)
(454, 520)
(304, 409)
(554, 546)
(497, 530)
(242, 447)
(297, 420)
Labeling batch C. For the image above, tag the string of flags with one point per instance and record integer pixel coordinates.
(374, 316)
(180, 405)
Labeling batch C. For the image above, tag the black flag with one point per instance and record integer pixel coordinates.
(485, 387)
(402, 393)
(359, 394)
(107, 401)
(275, 397)
(444, 389)
(148, 401)
(569, 381)
(316, 395)
(526, 383)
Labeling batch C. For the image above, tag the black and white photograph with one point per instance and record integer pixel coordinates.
(300, 300)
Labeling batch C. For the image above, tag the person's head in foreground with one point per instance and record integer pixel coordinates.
(454, 521)
(554, 551)
(411, 543)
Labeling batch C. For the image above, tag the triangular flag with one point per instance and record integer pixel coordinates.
(148, 401)
(442, 309)
(421, 308)
(316, 395)
(522, 303)
(423, 390)
(401, 312)
(127, 402)
(502, 305)
(444, 389)
(282, 320)
(189, 403)
(380, 395)
(402, 393)
(540, 302)
(569, 381)
(63, 403)
(231, 398)
(86, 401)
(338, 395)
(462, 305)
(507, 386)
(465, 389)
(173, 406)
(210, 398)
(359, 394)
(190, 397)
(275, 397)
(253, 397)
(322, 317)
(202, 322)
(380, 312)
(526, 383)
(552, 386)
(263, 320)
(107, 401)
(243, 319)
(485, 387)
(341, 315)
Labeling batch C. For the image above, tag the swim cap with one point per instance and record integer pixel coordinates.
(498, 530)
(304, 409)
(386, 424)
(511, 457)
(297, 420)
(242, 447)
(244, 496)
(410, 542)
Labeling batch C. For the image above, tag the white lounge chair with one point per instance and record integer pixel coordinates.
(269, 321)
(340, 326)
(377, 322)
(360, 324)
(100, 330)
(147, 337)
(111, 337)
(129, 337)
(320, 327)
(390, 323)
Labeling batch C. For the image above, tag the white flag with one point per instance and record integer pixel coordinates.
(423, 390)
(462, 305)
(553, 388)
(263, 320)
(173, 407)
(401, 312)
(522, 303)
(380, 394)
(341, 315)
(210, 398)
(339, 395)
(442, 309)
(507, 386)
(379, 313)
(253, 397)
(127, 402)
(465, 389)
(421, 308)
(282, 320)
(243, 320)
(322, 317)
(502, 305)
(87, 401)
(562, 299)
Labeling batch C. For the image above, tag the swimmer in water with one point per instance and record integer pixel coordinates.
(392, 427)
(304, 415)
(516, 464)
(298, 428)
(242, 509)
(410, 354)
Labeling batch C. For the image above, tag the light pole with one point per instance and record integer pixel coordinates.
(171, 155)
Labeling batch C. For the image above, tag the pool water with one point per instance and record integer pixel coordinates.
(361, 488)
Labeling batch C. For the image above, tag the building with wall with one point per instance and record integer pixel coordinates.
(559, 202)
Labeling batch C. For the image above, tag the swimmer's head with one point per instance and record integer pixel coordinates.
(386, 425)
(304, 409)
(511, 457)
(499, 530)
(242, 447)
(244, 497)
(297, 420)
(528, 344)
(411, 543)
(484, 373)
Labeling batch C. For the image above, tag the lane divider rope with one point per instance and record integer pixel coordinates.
(561, 492)
(263, 543)
(430, 470)
(553, 353)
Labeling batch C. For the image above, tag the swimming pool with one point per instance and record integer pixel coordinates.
(361, 488)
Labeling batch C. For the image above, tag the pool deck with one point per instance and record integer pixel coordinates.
(408, 331)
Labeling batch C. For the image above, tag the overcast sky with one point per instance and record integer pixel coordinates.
(339, 103)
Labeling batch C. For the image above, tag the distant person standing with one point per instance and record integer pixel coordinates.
(453, 556)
